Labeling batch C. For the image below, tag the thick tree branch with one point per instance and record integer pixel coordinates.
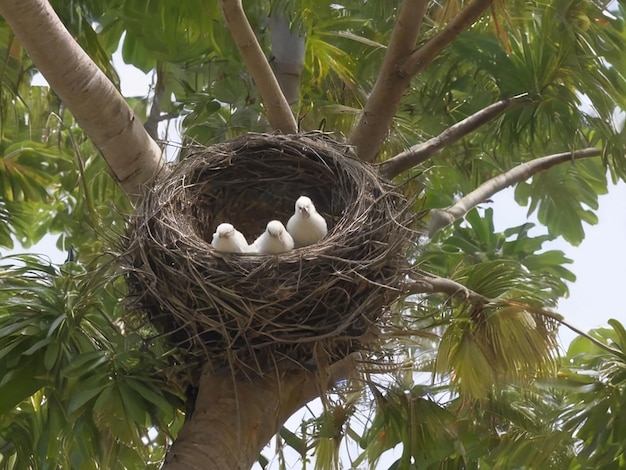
(422, 57)
(421, 152)
(441, 218)
(233, 420)
(99, 109)
(278, 111)
(375, 120)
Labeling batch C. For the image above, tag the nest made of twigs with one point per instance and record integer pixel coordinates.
(250, 311)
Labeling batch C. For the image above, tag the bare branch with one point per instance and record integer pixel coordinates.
(152, 123)
(100, 110)
(423, 56)
(427, 283)
(278, 111)
(441, 218)
(421, 152)
(375, 119)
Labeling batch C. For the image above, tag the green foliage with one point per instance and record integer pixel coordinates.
(596, 382)
(476, 349)
(27, 165)
(80, 389)
(46, 164)
(559, 53)
(76, 389)
(409, 416)
(561, 194)
(470, 251)
(574, 420)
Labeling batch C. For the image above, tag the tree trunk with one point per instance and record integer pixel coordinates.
(99, 109)
(279, 113)
(287, 56)
(232, 420)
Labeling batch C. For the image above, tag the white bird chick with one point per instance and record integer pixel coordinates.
(229, 240)
(274, 240)
(306, 226)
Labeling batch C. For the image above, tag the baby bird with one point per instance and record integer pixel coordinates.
(229, 240)
(306, 226)
(274, 240)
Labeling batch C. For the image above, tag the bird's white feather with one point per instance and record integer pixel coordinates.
(227, 239)
(306, 225)
(274, 240)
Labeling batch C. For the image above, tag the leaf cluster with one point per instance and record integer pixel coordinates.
(77, 389)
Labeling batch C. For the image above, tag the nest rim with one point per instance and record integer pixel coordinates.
(248, 312)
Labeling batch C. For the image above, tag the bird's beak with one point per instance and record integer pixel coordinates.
(305, 211)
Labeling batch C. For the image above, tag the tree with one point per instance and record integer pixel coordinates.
(457, 101)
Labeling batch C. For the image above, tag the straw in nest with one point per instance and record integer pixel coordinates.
(246, 311)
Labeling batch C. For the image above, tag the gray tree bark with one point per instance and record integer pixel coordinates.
(287, 59)
(234, 419)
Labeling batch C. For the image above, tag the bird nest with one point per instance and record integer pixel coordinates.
(248, 312)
